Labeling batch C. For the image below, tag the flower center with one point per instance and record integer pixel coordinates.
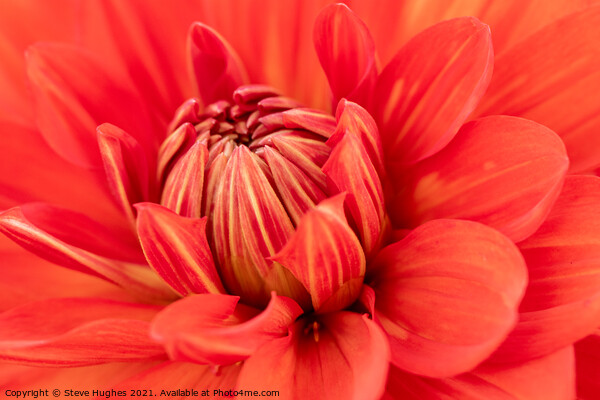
(252, 167)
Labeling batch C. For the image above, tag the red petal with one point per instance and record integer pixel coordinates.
(184, 185)
(77, 331)
(447, 295)
(431, 86)
(24, 277)
(545, 378)
(74, 92)
(176, 248)
(125, 166)
(218, 332)
(324, 254)
(355, 119)
(347, 53)
(175, 378)
(342, 356)
(173, 147)
(350, 170)
(562, 301)
(215, 65)
(74, 241)
(552, 77)
(587, 359)
(502, 171)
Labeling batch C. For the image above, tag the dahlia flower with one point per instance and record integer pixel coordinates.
(298, 199)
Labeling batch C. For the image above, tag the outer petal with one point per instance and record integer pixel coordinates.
(216, 67)
(552, 77)
(31, 171)
(176, 380)
(447, 295)
(220, 332)
(74, 241)
(326, 256)
(77, 331)
(562, 301)
(74, 92)
(342, 356)
(125, 166)
(347, 53)
(502, 171)
(24, 277)
(431, 86)
(177, 249)
(587, 357)
(550, 377)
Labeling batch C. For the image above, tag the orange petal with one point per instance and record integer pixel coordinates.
(431, 86)
(341, 355)
(216, 67)
(502, 171)
(215, 329)
(324, 254)
(176, 248)
(183, 188)
(447, 295)
(175, 145)
(562, 301)
(347, 53)
(77, 331)
(74, 92)
(125, 166)
(552, 78)
(77, 242)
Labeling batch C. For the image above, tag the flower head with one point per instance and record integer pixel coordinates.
(411, 243)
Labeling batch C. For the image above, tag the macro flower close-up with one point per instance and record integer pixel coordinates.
(300, 199)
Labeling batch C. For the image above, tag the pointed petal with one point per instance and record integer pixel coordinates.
(216, 67)
(355, 119)
(77, 331)
(177, 249)
(74, 241)
(502, 171)
(587, 357)
(552, 77)
(324, 254)
(551, 377)
(350, 170)
(423, 96)
(175, 145)
(184, 185)
(562, 301)
(125, 166)
(447, 295)
(74, 92)
(347, 53)
(342, 356)
(221, 331)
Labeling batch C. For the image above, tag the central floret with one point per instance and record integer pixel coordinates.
(253, 167)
